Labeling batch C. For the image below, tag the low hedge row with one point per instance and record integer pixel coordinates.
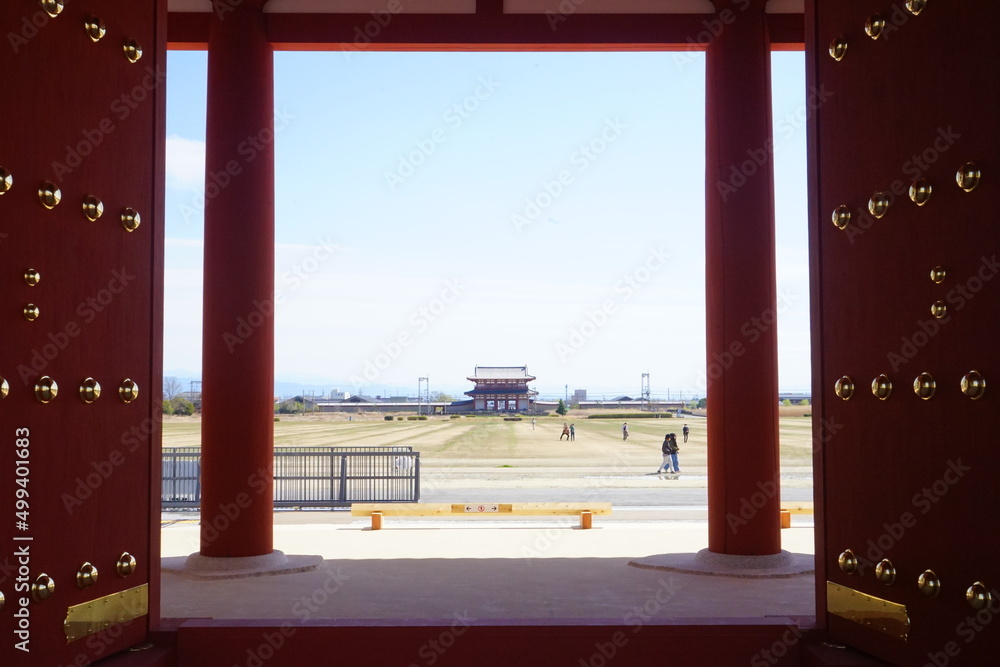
(634, 415)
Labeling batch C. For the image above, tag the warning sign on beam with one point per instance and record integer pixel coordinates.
(481, 509)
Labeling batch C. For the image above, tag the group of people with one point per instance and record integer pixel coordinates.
(670, 465)
(669, 448)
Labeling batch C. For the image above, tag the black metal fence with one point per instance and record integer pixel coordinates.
(309, 476)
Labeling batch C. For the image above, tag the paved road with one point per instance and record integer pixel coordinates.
(627, 487)
(666, 497)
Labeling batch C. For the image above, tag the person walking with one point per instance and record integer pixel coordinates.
(674, 448)
(533, 425)
(665, 449)
(572, 431)
(565, 432)
(625, 431)
(685, 431)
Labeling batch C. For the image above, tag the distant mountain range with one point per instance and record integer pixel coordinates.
(281, 388)
(316, 387)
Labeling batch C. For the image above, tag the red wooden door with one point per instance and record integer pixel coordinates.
(80, 295)
(906, 308)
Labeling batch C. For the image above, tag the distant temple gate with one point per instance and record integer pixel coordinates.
(501, 389)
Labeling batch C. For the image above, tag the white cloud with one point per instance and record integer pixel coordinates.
(185, 162)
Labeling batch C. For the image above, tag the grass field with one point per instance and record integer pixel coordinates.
(492, 442)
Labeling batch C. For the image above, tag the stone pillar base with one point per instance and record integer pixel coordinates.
(197, 566)
(774, 566)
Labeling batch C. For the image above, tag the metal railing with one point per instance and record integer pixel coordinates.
(309, 476)
(181, 478)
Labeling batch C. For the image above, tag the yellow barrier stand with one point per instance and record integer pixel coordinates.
(790, 508)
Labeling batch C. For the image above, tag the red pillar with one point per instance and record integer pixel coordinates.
(743, 492)
(238, 329)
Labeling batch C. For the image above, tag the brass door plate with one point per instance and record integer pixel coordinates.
(883, 616)
(88, 618)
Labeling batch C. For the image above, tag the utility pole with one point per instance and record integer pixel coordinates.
(645, 392)
(423, 392)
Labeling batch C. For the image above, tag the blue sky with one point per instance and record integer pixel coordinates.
(436, 211)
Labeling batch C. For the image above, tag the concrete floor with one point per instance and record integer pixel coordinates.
(470, 570)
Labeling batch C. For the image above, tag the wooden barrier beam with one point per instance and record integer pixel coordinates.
(479, 509)
(797, 507)
(378, 510)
